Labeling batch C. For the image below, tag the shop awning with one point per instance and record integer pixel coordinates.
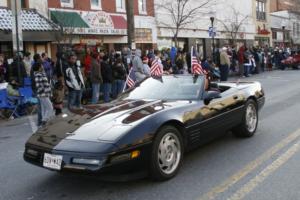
(31, 21)
(119, 22)
(68, 19)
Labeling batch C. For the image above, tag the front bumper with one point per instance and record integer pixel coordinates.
(261, 102)
(106, 168)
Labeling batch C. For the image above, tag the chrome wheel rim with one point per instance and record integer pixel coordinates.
(251, 118)
(169, 153)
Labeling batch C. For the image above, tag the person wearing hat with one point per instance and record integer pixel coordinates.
(137, 65)
(224, 64)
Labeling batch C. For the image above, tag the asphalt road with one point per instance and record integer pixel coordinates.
(263, 167)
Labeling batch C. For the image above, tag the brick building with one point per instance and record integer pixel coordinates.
(281, 5)
(102, 24)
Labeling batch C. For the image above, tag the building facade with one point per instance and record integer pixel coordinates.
(196, 33)
(262, 21)
(281, 5)
(285, 23)
(37, 30)
(102, 24)
(286, 29)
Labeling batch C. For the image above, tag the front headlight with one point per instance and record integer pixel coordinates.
(83, 161)
(32, 152)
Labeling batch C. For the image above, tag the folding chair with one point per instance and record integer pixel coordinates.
(11, 103)
(28, 100)
(27, 81)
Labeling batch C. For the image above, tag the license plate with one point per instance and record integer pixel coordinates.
(52, 161)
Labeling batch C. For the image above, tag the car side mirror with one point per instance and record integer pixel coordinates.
(210, 95)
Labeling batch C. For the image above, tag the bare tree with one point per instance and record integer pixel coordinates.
(233, 23)
(182, 13)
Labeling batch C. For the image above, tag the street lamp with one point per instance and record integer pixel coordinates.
(283, 32)
(212, 19)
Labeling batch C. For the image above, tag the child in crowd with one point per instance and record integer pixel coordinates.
(43, 91)
(58, 97)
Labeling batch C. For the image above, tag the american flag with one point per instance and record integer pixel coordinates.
(131, 79)
(155, 69)
(196, 66)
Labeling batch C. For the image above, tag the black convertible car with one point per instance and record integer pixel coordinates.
(148, 128)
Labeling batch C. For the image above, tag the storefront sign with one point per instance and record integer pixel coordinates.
(143, 35)
(91, 41)
(100, 23)
(96, 31)
(98, 19)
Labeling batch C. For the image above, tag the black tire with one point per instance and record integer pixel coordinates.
(156, 173)
(243, 130)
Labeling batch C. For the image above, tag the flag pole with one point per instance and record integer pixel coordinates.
(125, 85)
(192, 49)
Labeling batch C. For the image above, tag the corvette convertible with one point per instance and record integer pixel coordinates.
(148, 128)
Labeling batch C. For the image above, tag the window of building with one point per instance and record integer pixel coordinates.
(96, 4)
(261, 10)
(67, 3)
(24, 4)
(120, 4)
(274, 35)
(142, 6)
(298, 29)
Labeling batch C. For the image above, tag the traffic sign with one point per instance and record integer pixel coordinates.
(212, 31)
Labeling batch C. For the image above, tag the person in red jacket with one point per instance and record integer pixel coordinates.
(87, 63)
(241, 60)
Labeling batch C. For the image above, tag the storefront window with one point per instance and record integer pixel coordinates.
(120, 5)
(142, 7)
(96, 4)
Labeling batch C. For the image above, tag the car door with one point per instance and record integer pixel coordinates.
(211, 121)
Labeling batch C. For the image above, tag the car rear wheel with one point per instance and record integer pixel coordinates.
(167, 154)
(250, 121)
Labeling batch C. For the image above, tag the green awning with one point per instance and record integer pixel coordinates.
(68, 19)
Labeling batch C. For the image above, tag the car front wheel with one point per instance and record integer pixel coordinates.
(250, 121)
(167, 154)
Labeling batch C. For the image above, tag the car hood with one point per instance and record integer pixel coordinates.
(102, 123)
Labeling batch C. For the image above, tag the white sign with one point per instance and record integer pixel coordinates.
(17, 25)
(96, 31)
(100, 23)
(279, 36)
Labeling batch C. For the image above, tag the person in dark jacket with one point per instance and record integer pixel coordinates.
(106, 71)
(119, 76)
(14, 73)
(96, 77)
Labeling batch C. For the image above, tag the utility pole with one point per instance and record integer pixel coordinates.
(17, 36)
(130, 24)
(212, 19)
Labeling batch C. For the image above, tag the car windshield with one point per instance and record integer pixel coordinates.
(168, 88)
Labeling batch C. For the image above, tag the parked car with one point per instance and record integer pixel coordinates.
(292, 61)
(148, 128)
